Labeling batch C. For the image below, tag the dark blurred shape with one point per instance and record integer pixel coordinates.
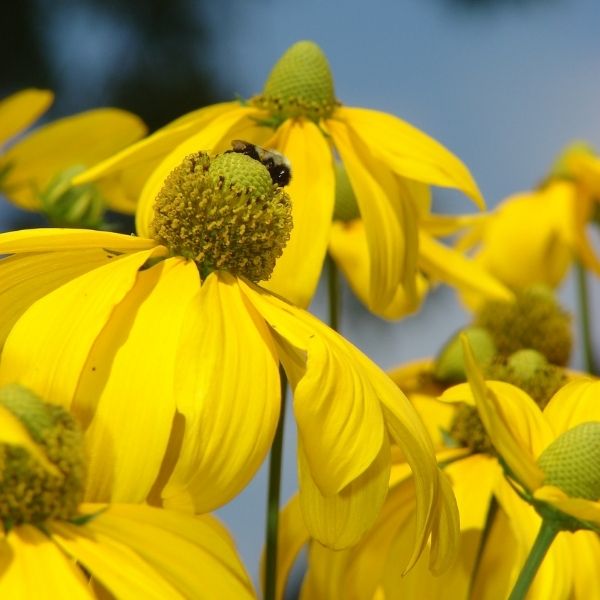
(150, 57)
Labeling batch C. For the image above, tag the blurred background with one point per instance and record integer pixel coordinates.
(505, 84)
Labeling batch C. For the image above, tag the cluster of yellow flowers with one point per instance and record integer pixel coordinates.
(144, 377)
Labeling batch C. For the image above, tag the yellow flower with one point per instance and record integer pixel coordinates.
(373, 569)
(159, 354)
(35, 171)
(389, 163)
(552, 455)
(534, 237)
(52, 546)
(435, 262)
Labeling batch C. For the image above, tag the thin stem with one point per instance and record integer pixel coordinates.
(333, 289)
(544, 539)
(272, 530)
(584, 312)
(485, 534)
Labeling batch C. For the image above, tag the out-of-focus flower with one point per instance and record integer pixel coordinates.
(36, 171)
(435, 262)
(389, 163)
(166, 346)
(53, 546)
(534, 237)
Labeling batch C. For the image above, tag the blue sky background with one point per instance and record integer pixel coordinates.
(505, 88)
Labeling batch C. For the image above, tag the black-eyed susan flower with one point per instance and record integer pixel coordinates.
(168, 351)
(36, 170)
(389, 163)
(435, 261)
(534, 237)
(53, 546)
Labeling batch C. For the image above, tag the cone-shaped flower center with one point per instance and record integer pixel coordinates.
(572, 462)
(29, 493)
(534, 320)
(300, 85)
(346, 206)
(224, 213)
(529, 370)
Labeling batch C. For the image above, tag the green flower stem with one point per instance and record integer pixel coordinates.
(333, 289)
(272, 530)
(485, 534)
(584, 312)
(544, 539)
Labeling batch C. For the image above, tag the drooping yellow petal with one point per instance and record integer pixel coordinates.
(119, 568)
(583, 510)
(14, 433)
(36, 568)
(129, 432)
(447, 265)
(337, 409)
(515, 426)
(574, 403)
(348, 247)
(339, 521)
(153, 148)
(212, 133)
(311, 190)
(441, 225)
(227, 389)
(194, 554)
(389, 217)
(409, 152)
(586, 547)
(20, 110)
(30, 276)
(82, 139)
(55, 240)
(47, 348)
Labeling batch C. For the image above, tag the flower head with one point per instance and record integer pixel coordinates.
(168, 352)
(36, 171)
(53, 546)
(390, 165)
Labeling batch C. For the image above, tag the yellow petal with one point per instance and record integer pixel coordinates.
(583, 510)
(410, 152)
(129, 377)
(47, 348)
(451, 267)
(54, 240)
(14, 433)
(194, 554)
(311, 190)
(227, 388)
(30, 276)
(19, 111)
(83, 139)
(441, 225)
(348, 247)
(337, 409)
(153, 148)
(574, 403)
(38, 569)
(513, 422)
(585, 547)
(119, 568)
(213, 131)
(292, 537)
(339, 521)
(389, 216)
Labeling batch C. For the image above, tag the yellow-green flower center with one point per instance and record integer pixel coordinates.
(224, 213)
(346, 207)
(299, 85)
(572, 462)
(29, 493)
(67, 205)
(534, 320)
(468, 431)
